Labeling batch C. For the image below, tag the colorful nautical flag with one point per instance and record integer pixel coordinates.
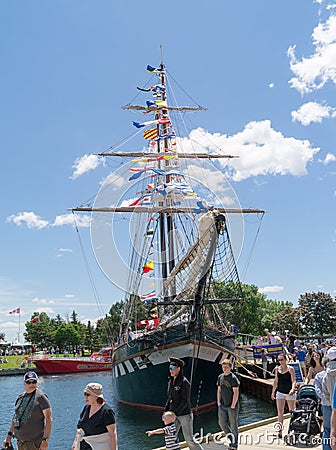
(149, 297)
(152, 69)
(163, 121)
(148, 267)
(141, 171)
(35, 319)
(136, 202)
(15, 311)
(151, 134)
(155, 88)
(161, 103)
(144, 124)
(147, 200)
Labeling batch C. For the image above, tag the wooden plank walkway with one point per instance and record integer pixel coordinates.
(260, 435)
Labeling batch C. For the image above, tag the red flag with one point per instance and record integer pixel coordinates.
(35, 319)
(15, 311)
(148, 267)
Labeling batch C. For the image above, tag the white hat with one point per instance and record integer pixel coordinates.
(274, 333)
(331, 353)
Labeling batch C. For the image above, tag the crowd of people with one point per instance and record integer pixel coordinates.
(317, 362)
(96, 428)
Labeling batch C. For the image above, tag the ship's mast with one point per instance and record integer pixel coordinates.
(165, 220)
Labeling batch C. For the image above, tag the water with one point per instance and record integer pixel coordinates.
(66, 396)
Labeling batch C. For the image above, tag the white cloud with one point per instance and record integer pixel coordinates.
(271, 85)
(66, 250)
(315, 71)
(313, 112)
(42, 301)
(220, 192)
(267, 289)
(30, 219)
(261, 150)
(85, 164)
(69, 296)
(46, 309)
(330, 157)
(68, 219)
(115, 180)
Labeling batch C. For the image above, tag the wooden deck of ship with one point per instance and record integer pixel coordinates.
(260, 435)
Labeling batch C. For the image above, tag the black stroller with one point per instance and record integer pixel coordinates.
(304, 423)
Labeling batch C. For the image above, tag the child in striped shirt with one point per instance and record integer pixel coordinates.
(172, 442)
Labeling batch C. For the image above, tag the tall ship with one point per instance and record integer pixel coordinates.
(161, 233)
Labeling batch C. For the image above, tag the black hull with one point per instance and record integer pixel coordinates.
(140, 374)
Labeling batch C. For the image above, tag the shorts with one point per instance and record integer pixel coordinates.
(280, 395)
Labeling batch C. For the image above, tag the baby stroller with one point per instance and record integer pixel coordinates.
(304, 423)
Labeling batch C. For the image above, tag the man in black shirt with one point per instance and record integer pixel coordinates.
(179, 402)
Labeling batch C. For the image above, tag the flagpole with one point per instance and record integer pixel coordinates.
(19, 324)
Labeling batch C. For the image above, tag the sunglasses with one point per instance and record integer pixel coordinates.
(281, 359)
(31, 382)
(172, 367)
(86, 394)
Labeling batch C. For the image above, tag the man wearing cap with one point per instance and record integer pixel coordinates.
(31, 424)
(227, 401)
(179, 402)
(328, 386)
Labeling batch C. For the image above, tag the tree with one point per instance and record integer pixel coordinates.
(317, 313)
(58, 320)
(108, 328)
(254, 313)
(66, 336)
(40, 333)
(89, 337)
(286, 319)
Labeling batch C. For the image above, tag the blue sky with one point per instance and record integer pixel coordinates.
(265, 71)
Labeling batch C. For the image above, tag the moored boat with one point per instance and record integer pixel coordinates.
(181, 269)
(97, 362)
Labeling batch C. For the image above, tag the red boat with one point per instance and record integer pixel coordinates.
(100, 361)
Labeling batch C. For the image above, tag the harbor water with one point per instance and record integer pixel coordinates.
(66, 396)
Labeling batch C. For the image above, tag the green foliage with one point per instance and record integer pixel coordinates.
(287, 318)
(40, 333)
(254, 313)
(66, 336)
(317, 313)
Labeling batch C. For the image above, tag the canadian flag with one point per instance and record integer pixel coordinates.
(35, 319)
(15, 311)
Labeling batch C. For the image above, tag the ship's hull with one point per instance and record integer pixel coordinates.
(140, 372)
(70, 365)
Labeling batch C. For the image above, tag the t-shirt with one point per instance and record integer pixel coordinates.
(171, 438)
(227, 383)
(33, 429)
(96, 424)
(300, 354)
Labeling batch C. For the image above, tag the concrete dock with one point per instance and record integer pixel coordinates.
(260, 435)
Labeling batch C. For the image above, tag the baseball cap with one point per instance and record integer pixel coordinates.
(30, 376)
